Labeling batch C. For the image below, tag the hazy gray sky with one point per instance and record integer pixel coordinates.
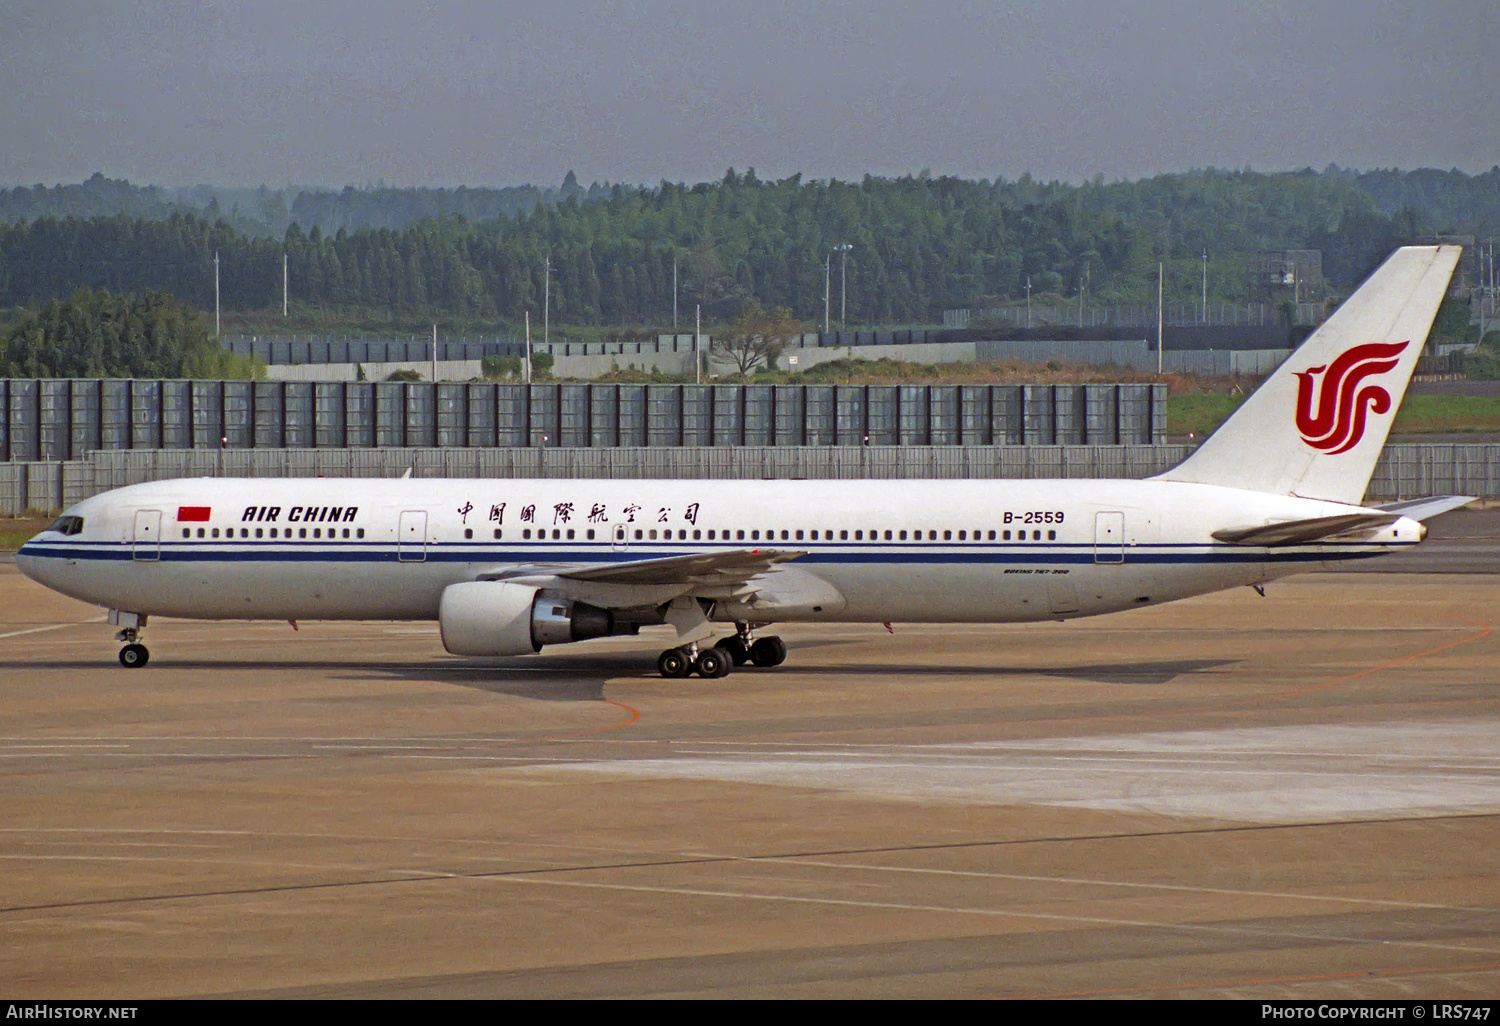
(499, 93)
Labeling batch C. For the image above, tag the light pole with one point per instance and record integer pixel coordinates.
(1028, 301)
(844, 249)
(825, 293)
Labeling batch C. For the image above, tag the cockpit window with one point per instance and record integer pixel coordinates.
(67, 525)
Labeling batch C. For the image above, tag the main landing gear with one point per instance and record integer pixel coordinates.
(717, 661)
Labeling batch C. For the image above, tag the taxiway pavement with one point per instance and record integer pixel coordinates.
(1293, 796)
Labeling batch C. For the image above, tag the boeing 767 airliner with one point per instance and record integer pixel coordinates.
(508, 566)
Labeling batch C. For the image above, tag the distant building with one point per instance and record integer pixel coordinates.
(1280, 275)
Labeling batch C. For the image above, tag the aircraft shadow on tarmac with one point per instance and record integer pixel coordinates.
(583, 678)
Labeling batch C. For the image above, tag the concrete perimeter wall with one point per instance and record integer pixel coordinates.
(1404, 471)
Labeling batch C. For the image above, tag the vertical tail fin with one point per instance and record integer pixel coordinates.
(1316, 426)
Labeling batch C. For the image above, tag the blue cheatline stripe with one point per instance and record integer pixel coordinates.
(387, 552)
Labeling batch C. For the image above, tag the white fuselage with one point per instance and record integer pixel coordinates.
(912, 551)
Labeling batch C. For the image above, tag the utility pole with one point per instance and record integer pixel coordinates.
(528, 347)
(434, 351)
(697, 334)
(547, 304)
(217, 332)
(285, 279)
(1159, 275)
(674, 294)
(844, 249)
(1028, 301)
(1205, 286)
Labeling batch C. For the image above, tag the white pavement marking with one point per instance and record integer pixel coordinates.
(1261, 774)
(49, 627)
(803, 899)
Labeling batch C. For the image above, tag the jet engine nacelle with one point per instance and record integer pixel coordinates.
(497, 618)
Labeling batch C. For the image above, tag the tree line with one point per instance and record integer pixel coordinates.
(100, 334)
(606, 256)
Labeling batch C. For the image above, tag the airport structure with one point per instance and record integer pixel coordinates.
(61, 418)
(62, 440)
(1218, 350)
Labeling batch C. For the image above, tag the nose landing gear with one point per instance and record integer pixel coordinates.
(134, 655)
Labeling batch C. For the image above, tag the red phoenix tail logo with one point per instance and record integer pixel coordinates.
(1338, 422)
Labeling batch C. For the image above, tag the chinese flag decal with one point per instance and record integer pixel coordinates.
(193, 514)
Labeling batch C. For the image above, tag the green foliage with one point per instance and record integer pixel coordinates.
(755, 338)
(96, 333)
(541, 364)
(494, 368)
(919, 244)
(1452, 324)
(406, 374)
(1484, 363)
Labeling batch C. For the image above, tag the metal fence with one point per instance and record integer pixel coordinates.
(1136, 315)
(60, 419)
(1404, 471)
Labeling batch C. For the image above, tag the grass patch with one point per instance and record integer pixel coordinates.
(14, 533)
(1432, 414)
(1201, 413)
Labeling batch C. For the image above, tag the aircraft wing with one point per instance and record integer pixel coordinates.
(733, 567)
(1300, 532)
(643, 581)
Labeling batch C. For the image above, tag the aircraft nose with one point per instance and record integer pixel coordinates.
(27, 560)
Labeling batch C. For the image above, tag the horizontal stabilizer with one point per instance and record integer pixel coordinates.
(1299, 532)
(1426, 509)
